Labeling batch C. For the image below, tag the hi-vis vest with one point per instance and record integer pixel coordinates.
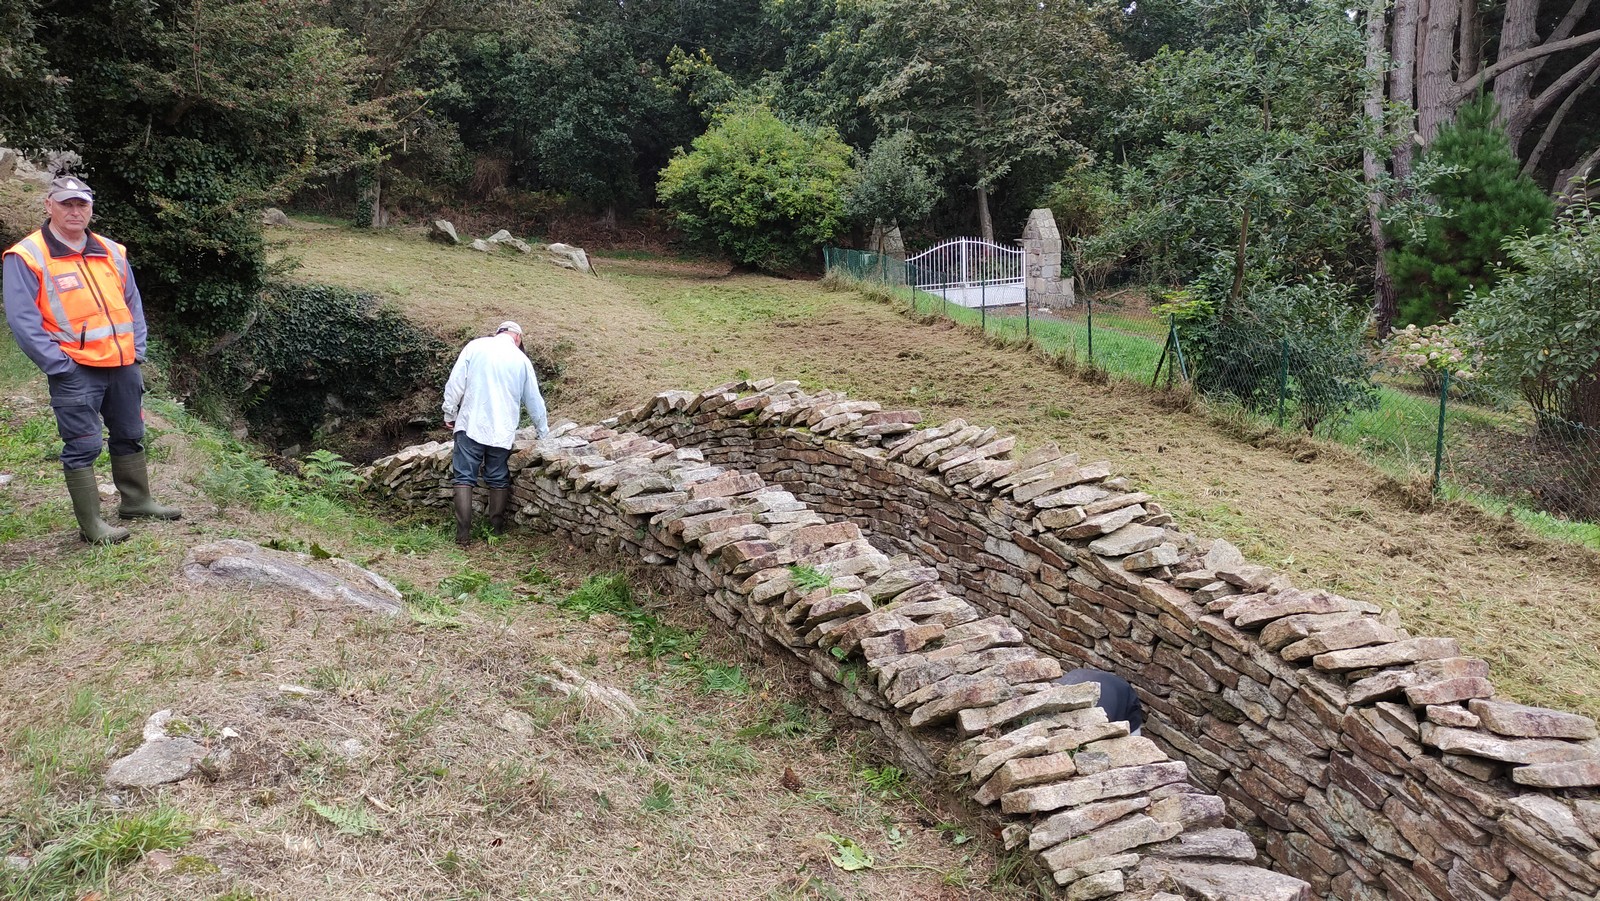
(83, 299)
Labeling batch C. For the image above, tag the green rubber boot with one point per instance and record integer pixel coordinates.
(462, 501)
(499, 499)
(86, 506)
(133, 483)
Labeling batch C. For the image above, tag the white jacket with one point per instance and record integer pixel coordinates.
(491, 382)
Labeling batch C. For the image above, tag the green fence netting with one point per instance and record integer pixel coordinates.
(1466, 439)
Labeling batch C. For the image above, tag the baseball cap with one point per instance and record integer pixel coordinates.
(69, 187)
(509, 326)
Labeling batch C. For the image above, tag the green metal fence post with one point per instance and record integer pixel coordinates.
(1283, 377)
(1438, 443)
(1177, 348)
(1090, 329)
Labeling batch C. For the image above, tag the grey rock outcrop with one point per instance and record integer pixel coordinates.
(504, 238)
(274, 216)
(568, 257)
(443, 232)
(887, 240)
(161, 759)
(333, 580)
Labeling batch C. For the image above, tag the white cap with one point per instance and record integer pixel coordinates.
(509, 326)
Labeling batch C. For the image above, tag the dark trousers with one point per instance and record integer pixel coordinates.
(469, 456)
(90, 398)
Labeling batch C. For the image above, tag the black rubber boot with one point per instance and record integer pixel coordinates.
(463, 505)
(132, 479)
(86, 507)
(499, 498)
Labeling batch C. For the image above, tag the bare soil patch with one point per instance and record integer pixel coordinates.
(1530, 606)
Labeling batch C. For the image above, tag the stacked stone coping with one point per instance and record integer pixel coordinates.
(1111, 815)
(1376, 764)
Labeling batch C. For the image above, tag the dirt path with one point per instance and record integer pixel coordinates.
(1529, 606)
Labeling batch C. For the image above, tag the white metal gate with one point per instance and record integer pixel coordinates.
(970, 272)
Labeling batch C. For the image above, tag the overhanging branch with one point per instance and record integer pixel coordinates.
(1465, 88)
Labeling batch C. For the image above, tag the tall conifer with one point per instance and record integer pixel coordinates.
(1484, 199)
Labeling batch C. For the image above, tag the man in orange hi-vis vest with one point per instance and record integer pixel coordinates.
(75, 311)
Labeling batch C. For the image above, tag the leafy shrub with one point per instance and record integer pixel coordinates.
(765, 192)
(331, 473)
(184, 147)
(1303, 340)
(1540, 325)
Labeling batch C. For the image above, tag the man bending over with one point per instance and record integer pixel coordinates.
(483, 401)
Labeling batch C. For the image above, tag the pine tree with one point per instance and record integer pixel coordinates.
(1483, 198)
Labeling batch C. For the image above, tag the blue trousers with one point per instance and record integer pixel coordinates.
(90, 398)
(469, 455)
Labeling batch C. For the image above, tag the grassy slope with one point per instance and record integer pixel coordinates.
(439, 800)
(1530, 606)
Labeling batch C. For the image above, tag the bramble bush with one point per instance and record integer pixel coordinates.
(765, 192)
(1241, 348)
(317, 350)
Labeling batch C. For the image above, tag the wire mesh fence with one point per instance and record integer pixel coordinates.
(1469, 440)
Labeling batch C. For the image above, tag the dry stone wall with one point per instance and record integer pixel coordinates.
(1371, 763)
(1111, 815)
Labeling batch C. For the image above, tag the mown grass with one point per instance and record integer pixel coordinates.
(1398, 435)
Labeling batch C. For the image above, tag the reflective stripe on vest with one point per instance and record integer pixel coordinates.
(53, 297)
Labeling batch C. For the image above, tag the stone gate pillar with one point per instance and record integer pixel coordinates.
(1041, 245)
(887, 241)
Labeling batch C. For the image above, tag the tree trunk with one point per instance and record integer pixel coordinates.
(1518, 32)
(1436, 84)
(1470, 49)
(1570, 180)
(1566, 85)
(1583, 406)
(1239, 254)
(1402, 83)
(1564, 28)
(985, 224)
(1384, 304)
(1555, 123)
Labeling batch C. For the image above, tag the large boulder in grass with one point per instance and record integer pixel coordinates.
(568, 257)
(443, 232)
(274, 216)
(328, 580)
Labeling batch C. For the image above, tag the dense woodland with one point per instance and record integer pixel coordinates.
(1268, 161)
